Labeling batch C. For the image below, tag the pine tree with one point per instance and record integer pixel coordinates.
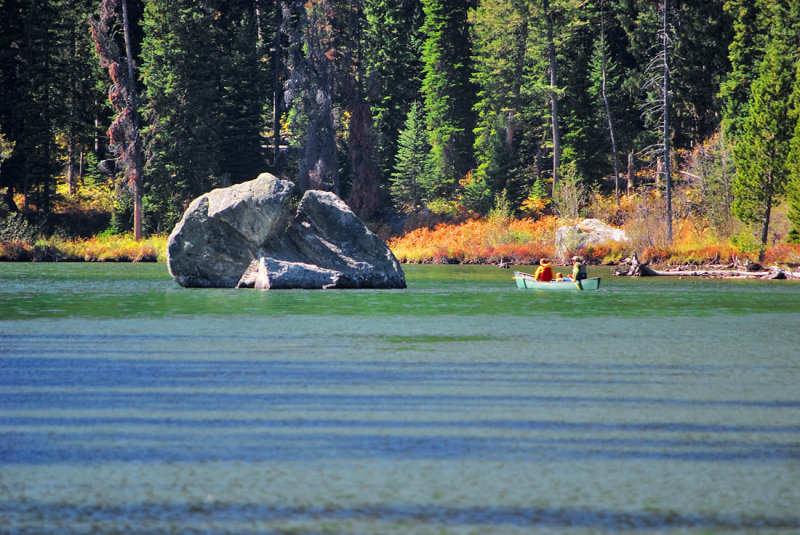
(29, 111)
(205, 94)
(448, 91)
(762, 150)
(6, 150)
(410, 186)
(80, 91)
(751, 31)
(50, 96)
(793, 185)
(393, 70)
(604, 76)
(500, 42)
(702, 33)
(665, 96)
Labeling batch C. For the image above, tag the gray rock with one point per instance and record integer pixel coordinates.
(221, 231)
(328, 232)
(257, 209)
(247, 236)
(205, 252)
(571, 239)
(267, 273)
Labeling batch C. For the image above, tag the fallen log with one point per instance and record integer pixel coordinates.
(724, 273)
(632, 267)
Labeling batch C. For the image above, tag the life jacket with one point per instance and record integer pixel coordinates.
(543, 273)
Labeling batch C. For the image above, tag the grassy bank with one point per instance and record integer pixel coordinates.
(491, 240)
(102, 248)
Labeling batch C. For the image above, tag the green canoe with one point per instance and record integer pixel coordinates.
(526, 281)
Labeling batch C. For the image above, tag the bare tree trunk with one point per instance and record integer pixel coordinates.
(630, 172)
(667, 170)
(605, 101)
(135, 174)
(767, 215)
(511, 118)
(71, 133)
(725, 179)
(70, 167)
(551, 53)
(277, 93)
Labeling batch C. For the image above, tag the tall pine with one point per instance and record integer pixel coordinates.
(448, 92)
(500, 46)
(392, 50)
(410, 186)
(762, 150)
(205, 94)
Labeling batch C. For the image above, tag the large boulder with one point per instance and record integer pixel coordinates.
(587, 232)
(248, 236)
(328, 232)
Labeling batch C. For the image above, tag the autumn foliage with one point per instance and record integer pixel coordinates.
(113, 248)
(518, 241)
(525, 241)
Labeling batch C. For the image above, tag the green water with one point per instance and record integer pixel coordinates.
(458, 405)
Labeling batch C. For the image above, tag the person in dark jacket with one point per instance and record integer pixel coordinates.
(578, 269)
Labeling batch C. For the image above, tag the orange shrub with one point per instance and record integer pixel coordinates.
(783, 253)
(15, 251)
(478, 241)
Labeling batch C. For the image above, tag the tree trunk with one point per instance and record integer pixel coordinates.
(767, 215)
(630, 172)
(605, 101)
(135, 174)
(551, 53)
(8, 197)
(667, 171)
(633, 268)
(277, 93)
(519, 67)
(70, 167)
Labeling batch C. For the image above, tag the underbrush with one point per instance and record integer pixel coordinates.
(114, 248)
(491, 240)
(525, 241)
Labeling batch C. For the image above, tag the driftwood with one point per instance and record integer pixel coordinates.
(632, 267)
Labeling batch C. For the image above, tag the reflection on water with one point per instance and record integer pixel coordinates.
(459, 405)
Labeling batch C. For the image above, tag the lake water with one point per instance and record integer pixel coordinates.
(460, 405)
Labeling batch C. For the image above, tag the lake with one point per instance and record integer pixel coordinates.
(460, 405)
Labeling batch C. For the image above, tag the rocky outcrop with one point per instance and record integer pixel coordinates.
(249, 236)
(571, 239)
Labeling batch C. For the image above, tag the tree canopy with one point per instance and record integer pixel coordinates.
(399, 106)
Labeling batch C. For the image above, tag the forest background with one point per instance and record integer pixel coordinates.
(460, 130)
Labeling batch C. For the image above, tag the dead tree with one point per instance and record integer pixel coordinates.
(124, 130)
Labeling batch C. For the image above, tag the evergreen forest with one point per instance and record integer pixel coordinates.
(115, 114)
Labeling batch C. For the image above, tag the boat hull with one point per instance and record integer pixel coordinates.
(525, 281)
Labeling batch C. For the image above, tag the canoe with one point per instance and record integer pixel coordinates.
(526, 281)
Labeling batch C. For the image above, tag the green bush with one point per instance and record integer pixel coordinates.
(15, 228)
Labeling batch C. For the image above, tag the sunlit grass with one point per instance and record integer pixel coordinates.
(111, 248)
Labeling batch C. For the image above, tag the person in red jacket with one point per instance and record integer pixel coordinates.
(544, 272)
